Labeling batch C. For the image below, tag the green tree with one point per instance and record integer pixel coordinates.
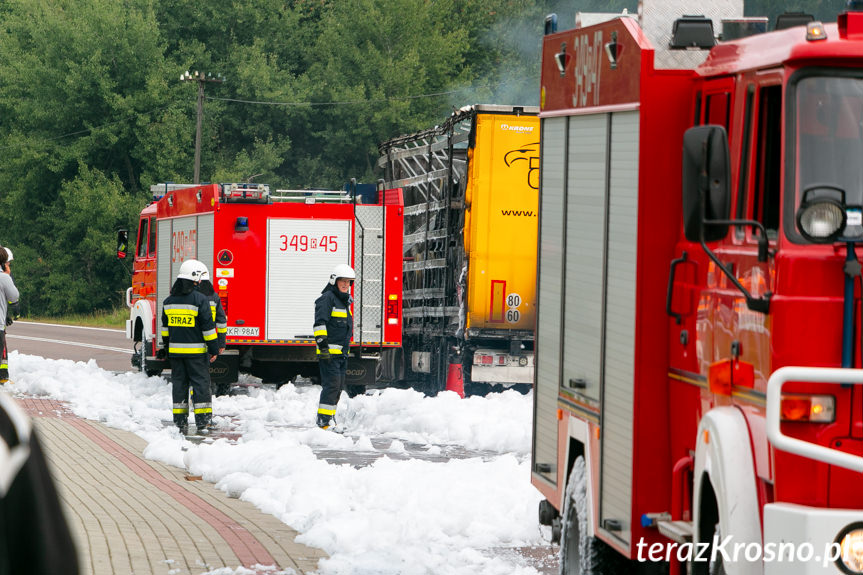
(83, 82)
(78, 269)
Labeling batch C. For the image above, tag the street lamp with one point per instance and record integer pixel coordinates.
(200, 78)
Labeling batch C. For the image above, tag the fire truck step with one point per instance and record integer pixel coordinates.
(680, 531)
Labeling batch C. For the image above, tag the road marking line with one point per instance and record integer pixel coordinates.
(76, 343)
(69, 326)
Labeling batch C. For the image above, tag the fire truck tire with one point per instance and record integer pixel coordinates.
(223, 389)
(145, 345)
(579, 552)
(717, 567)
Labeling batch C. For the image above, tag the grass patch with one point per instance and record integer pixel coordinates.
(113, 319)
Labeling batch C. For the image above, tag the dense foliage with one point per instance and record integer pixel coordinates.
(92, 109)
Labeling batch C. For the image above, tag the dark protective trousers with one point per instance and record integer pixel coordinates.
(332, 382)
(4, 357)
(192, 371)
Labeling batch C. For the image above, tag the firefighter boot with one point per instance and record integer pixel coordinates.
(181, 421)
(326, 421)
(204, 423)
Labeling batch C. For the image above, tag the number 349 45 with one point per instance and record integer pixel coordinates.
(304, 243)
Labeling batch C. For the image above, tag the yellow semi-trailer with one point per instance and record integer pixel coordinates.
(470, 188)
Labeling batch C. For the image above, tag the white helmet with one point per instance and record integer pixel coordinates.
(342, 271)
(9, 257)
(192, 270)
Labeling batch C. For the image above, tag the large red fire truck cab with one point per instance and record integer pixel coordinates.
(698, 328)
(269, 256)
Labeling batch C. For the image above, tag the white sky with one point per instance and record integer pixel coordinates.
(446, 489)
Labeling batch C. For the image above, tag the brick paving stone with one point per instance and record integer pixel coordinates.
(131, 515)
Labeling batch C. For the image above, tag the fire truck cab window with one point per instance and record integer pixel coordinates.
(716, 111)
(768, 162)
(152, 237)
(142, 238)
(829, 123)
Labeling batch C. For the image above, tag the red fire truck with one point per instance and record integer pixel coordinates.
(269, 256)
(697, 392)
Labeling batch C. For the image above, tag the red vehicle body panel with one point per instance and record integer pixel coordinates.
(238, 266)
(673, 359)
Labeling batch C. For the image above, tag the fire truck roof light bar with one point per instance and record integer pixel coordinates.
(317, 196)
(796, 446)
(692, 33)
(792, 19)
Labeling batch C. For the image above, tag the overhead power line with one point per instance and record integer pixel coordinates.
(341, 103)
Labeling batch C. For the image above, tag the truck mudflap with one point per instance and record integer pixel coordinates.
(226, 369)
(361, 371)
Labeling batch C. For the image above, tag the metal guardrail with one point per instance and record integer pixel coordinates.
(774, 413)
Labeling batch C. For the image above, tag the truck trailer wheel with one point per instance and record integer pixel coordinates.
(580, 553)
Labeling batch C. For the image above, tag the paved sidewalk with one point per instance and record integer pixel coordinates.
(129, 515)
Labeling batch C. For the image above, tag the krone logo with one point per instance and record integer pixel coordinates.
(525, 129)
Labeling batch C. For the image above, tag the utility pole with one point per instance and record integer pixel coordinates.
(200, 78)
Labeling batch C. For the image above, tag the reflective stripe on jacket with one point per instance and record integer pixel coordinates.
(187, 324)
(333, 320)
(219, 317)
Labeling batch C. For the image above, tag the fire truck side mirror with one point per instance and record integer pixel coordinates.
(706, 174)
(122, 243)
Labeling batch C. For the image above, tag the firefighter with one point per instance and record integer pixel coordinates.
(188, 334)
(333, 329)
(206, 287)
(34, 535)
(8, 307)
(218, 312)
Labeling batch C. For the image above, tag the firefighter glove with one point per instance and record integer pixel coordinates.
(323, 343)
(8, 320)
(161, 353)
(325, 355)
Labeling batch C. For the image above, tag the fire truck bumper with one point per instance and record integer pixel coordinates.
(801, 540)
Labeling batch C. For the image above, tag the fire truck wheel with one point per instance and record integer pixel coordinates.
(579, 552)
(146, 345)
(223, 389)
(717, 567)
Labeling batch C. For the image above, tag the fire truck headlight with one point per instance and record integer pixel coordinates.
(821, 221)
(850, 542)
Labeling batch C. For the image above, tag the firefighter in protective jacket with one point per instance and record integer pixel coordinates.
(206, 288)
(8, 307)
(189, 334)
(334, 327)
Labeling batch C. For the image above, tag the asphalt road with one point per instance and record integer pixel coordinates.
(109, 347)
